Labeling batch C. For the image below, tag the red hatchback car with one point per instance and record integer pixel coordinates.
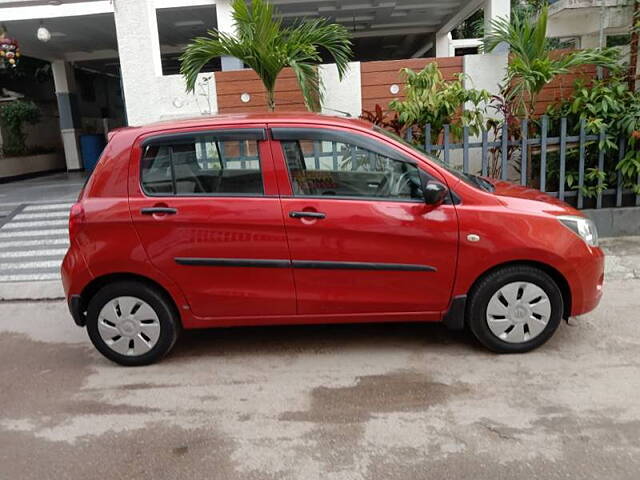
(300, 218)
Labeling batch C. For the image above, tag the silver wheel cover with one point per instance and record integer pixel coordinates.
(518, 312)
(129, 326)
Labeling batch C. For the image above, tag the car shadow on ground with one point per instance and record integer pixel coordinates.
(314, 339)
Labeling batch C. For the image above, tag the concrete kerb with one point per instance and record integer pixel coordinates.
(616, 222)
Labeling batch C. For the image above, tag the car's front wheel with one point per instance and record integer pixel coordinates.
(514, 309)
(132, 323)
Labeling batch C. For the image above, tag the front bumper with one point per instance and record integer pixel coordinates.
(586, 282)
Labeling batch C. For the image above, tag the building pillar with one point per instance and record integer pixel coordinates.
(224, 19)
(68, 110)
(494, 9)
(443, 44)
(139, 55)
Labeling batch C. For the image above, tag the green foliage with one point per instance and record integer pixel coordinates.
(531, 65)
(472, 27)
(607, 105)
(265, 45)
(429, 99)
(527, 7)
(384, 119)
(13, 116)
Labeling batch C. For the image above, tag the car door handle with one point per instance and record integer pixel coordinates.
(316, 215)
(155, 210)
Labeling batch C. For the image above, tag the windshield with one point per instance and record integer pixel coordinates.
(470, 179)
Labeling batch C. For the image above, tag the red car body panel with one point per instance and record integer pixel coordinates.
(404, 233)
(223, 227)
(515, 224)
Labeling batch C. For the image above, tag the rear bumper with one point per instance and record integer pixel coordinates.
(77, 310)
(75, 277)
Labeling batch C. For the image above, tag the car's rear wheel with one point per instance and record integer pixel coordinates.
(132, 323)
(514, 309)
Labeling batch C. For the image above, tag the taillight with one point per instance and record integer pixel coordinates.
(76, 219)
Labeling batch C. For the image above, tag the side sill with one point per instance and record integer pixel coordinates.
(75, 307)
(454, 317)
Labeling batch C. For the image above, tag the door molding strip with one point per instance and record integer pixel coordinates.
(232, 262)
(302, 264)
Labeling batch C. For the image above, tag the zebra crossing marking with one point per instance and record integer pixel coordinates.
(43, 242)
(14, 225)
(29, 265)
(33, 233)
(57, 252)
(43, 214)
(29, 277)
(53, 206)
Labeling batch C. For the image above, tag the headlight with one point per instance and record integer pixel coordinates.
(583, 227)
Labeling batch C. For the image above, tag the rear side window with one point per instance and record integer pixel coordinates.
(202, 165)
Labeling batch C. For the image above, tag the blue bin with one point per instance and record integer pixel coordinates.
(91, 147)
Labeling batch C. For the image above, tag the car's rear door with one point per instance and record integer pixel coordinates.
(361, 237)
(205, 205)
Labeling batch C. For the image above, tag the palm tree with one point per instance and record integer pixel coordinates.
(265, 45)
(531, 65)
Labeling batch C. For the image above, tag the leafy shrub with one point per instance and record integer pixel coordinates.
(532, 64)
(605, 104)
(384, 119)
(13, 116)
(430, 99)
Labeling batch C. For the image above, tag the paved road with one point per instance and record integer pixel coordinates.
(55, 188)
(326, 402)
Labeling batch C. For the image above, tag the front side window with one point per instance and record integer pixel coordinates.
(202, 165)
(341, 168)
(474, 180)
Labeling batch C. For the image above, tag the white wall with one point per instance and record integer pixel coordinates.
(174, 102)
(485, 71)
(341, 96)
(482, 72)
(149, 96)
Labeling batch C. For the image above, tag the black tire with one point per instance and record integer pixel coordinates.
(168, 318)
(481, 293)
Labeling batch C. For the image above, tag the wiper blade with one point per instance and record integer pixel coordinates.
(482, 183)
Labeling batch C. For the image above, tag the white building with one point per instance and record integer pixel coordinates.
(582, 21)
(129, 48)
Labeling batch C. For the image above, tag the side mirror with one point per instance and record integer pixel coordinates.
(433, 191)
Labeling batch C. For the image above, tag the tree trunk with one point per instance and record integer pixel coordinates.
(271, 101)
(633, 53)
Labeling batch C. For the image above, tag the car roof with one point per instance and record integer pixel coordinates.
(252, 118)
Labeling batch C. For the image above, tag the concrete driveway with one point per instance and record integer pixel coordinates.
(327, 402)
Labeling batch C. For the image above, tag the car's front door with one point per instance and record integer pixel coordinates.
(206, 209)
(361, 237)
